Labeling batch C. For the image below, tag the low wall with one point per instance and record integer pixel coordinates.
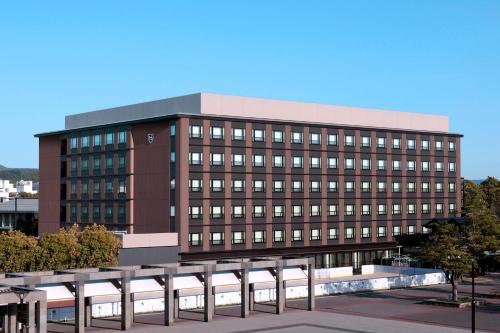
(330, 273)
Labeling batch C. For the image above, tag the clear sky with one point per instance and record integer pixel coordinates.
(439, 57)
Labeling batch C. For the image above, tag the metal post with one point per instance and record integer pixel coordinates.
(169, 300)
(126, 317)
(280, 290)
(208, 309)
(88, 312)
(79, 307)
(245, 293)
(311, 296)
(473, 304)
(41, 316)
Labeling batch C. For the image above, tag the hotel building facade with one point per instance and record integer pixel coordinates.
(237, 176)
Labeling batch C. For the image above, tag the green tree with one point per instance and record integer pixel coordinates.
(474, 198)
(18, 252)
(491, 190)
(446, 247)
(98, 247)
(59, 250)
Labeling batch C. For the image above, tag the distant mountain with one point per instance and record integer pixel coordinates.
(15, 174)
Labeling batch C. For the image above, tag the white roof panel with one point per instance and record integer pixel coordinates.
(260, 276)
(144, 285)
(224, 279)
(186, 282)
(293, 274)
(56, 292)
(100, 288)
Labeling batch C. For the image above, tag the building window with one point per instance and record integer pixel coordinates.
(452, 208)
(216, 212)
(85, 188)
(366, 209)
(451, 146)
(315, 234)
(238, 237)
(380, 142)
(278, 186)
(172, 211)
(259, 135)
(109, 212)
(396, 187)
(332, 139)
(439, 145)
(426, 166)
(278, 161)
(426, 208)
(366, 164)
(259, 236)
(350, 210)
(315, 186)
(238, 134)
(195, 185)
(74, 143)
(195, 212)
(332, 233)
(366, 232)
(424, 145)
(122, 186)
(381, 209)
(349, 164)
(216, 159)
(332, 210)
(349, 140)
(73, 212)
(381, 187)
(97, 140)
(259, 160)
(381, 164)
(121, 162)
(109, 186)
(122, 137)
(278, 136)
(366, 187)
(451, 166)
(278, 236)
(195, 239)
(238, 185)
(217, 185)
(259, 211)
(195, 131)
(297, 186)
(315, 162)
(85, 164)
(297, 162)
(411, 166)
(412, 230)
(439, 187)
(97, 186)
(297, 235)
(315, 210)
(410, 187)
(411, 209)
(410, 144)
(217, 133)
(349, 233)
(366, 141)
(172, 129)
(381, 231)
(451, 187)
(332, 163)
(121, 212)
(396, 230)
(297, 137)
(396, 143)
(96, 213)
(297, 211)
(349, 186)
(73, 188)
(425, 230)
(278, 211)
(259, 185)
(439, 166)
(172, 184)
(97, 163)
(195, 158)
(439, 208)
(217, 238)
(238, 211)
(396, 209)
(396, 165)
(332, 186)
(315, 138)
(238, 160)
(425, 187)
(110, 138)
(85, 141)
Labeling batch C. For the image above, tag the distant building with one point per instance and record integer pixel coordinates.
(19, 214)
(7, 190)
(25, 186)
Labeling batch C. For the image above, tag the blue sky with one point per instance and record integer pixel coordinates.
(439, 57)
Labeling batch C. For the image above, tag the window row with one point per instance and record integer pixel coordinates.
(239, 211)
(315, 138)
(297, 235)
(97, 187)
(86, 141)
(97, 163)
(278, 161)
(97, 212)
(315, 186)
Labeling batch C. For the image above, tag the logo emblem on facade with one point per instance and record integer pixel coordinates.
(151, 137)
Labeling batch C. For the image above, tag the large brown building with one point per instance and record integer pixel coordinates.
(237, 176)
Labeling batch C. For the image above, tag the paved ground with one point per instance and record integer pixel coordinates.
(389, 311)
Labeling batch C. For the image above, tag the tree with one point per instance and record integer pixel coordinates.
(446, 247)
(474, 198)
(59, 250)
(491, 190)
(99, 247)
(18, 252)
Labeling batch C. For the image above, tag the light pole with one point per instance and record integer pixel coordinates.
(473, 304)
